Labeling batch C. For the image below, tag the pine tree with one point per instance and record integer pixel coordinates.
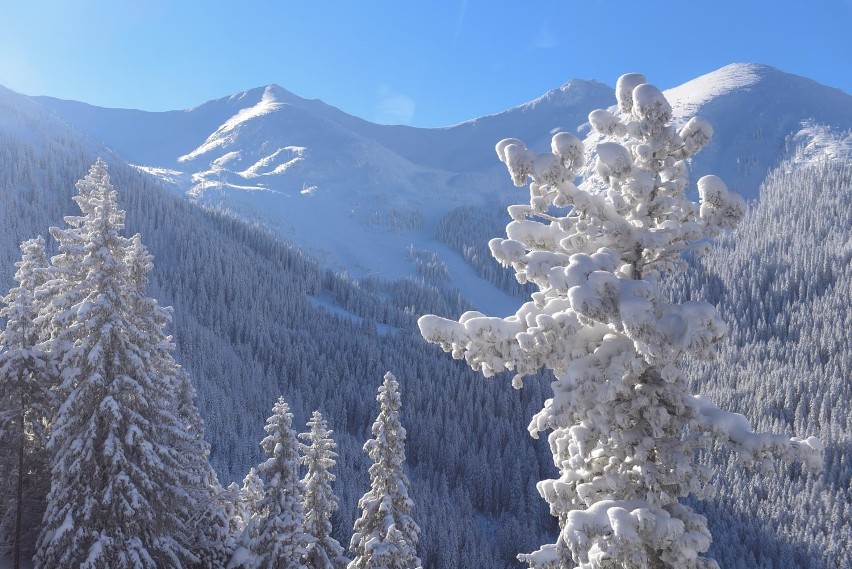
(281, 541)
(27, 405)
(625, 427)
(246, 520)
(120, 492)
(385, 535)
(320, 503)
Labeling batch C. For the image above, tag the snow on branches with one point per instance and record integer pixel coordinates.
(624, 426)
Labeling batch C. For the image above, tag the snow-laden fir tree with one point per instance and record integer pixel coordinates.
(27, 405)
(250, 496)
(207, 528)
(281, 541)
(386, 535)
(246, 520)
(318, 456)
(625, 427)
(120, 490)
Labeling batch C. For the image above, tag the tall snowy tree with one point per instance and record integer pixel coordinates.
(386, 535)
(318, 456)
(625, 427)
(120, 483)
(281, 541)
(208, 525)
(27, 405)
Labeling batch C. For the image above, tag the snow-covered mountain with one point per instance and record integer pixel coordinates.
(359, 196)
(255, 319)
(352, 193)
(761, 115)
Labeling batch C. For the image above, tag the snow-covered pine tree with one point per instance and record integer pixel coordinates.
(386, 535)
(318, 456)
(207, 528)
(281, 541)
(27, 405)
(246, 520)
(250, 496)
(625, 428)
(119, 492)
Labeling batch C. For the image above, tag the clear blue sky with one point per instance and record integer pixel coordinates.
(429, 63)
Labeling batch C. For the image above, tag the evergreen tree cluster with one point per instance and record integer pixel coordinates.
(89, 367)
(783, 281)
(92, 400)
(237, 290)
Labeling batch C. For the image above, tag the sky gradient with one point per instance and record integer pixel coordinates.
(421, 63)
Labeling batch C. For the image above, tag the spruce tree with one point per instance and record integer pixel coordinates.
(281, 541)
(120, 484)
(386, 535)
(624, 425)
(207, 525)
(318, 456)
(27, 405)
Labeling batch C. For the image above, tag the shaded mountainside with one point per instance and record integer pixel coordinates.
(783, 282)
(255, 319)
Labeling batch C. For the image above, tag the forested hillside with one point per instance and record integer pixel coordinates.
(255, 319)
(783, 283)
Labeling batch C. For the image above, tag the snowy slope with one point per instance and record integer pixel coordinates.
(357, 195)
(760, 115)
(353, 194)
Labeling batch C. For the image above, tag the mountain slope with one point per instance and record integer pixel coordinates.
(256, 319)
(759, 114)
(783, 282)
(359, 195)
(355, 194)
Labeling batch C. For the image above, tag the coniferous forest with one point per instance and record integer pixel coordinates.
(182, 389)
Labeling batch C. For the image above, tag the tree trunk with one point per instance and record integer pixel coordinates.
(20, 505)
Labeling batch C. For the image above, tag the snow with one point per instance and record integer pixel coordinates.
(688, 99)
(225, 133)
(261, 154)
(818, 141)
(327, 303)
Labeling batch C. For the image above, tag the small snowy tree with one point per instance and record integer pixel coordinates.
(27, 404)
(625, 427)
(120, 491)
(246, 519)
(320, 503)
(386, 535)
(281, 542)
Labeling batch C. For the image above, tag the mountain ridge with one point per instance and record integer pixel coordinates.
(358, 195)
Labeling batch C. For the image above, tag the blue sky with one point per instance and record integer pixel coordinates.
(422, 63)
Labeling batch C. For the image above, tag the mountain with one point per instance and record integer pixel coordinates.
(354, 194)
(761, 115)
(256, 318)
(361, 196)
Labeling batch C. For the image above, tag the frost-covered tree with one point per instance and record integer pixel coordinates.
(246, 519)
(625, 427)
(120, 490)
(27, 405)
(281, 541)
(386, 535)
(318, 456)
